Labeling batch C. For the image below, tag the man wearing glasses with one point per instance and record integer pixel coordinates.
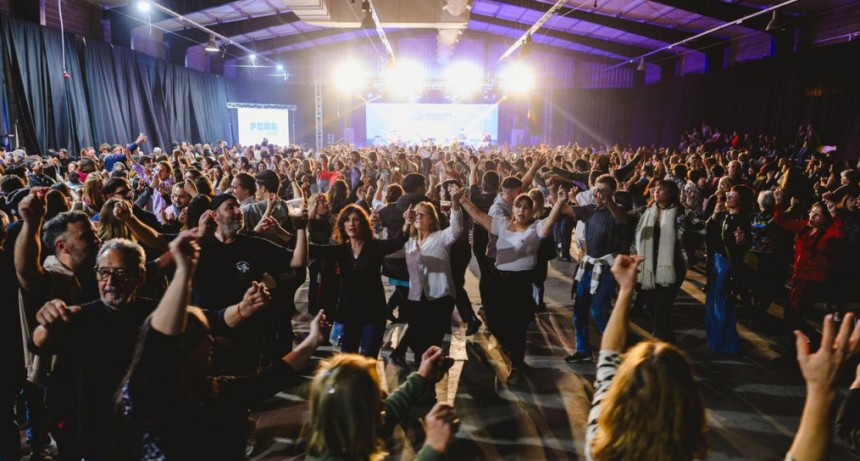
(94, 343)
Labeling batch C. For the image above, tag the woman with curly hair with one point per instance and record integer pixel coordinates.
(358, 255)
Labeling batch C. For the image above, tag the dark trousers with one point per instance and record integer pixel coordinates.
(561, 233)
(658, 303)
(429, 322)
(509, 318)
(10, 440)
(363, 337)
(461, 254)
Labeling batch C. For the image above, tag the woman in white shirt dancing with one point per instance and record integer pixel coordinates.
(431, 287)
(516, 255)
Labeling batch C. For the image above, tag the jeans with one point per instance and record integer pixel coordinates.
(364, 338)
(37, 417)
(561, 234)
(597, 302)
(461, 254)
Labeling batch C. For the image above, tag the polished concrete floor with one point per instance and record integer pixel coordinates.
(754, 404)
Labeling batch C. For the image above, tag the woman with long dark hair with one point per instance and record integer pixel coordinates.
(728, 234)
(658, 239)
(516, 256)
(361, 302)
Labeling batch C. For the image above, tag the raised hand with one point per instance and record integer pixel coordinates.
(185, 250)
(626, 270)
(207, 221)
(409, 215)
(778, 196)
(55, 313)
(821, 369)
(122, 211)
(256, 298)
(34, 206)
(456, 193)
(320, 328)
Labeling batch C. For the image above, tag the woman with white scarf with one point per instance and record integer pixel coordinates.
(658, 239)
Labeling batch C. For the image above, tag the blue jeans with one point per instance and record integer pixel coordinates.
(597, 302)
(363, 338)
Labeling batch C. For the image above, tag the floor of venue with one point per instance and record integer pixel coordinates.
(754, 404)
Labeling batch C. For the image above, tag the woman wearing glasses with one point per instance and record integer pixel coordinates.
(431, 286)
(516, 255)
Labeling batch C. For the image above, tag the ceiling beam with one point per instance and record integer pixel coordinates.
(721, 11)
(272, 44)
(652, 31)
(182, 7)
(620, 49)
(241, 27)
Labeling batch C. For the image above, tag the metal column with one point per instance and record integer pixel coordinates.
(318, 114)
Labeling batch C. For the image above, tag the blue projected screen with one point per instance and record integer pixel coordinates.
(441, 124)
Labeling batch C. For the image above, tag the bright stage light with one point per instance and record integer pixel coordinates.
(517, 78)
(405, 79)
(463, 79)
(143, 6)
(349, 77)
(279, 67)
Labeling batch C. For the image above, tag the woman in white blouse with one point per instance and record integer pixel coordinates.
(431, 287)
(516, 255)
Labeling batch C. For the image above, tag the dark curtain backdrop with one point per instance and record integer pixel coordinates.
(113, 93)
(774, 96)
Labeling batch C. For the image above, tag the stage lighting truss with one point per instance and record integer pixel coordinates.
(407, 81)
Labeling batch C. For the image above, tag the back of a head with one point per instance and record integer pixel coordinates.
(413, 183)
(346, 405)
(490, 182)
(653, 397)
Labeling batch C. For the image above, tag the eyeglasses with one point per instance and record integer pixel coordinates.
(421, 214)
(123, 275)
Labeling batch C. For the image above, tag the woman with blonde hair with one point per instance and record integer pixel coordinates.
(646, 406)
(431, 285)
(350, 413)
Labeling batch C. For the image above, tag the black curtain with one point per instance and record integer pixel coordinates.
(23, 51)
(112, 95)
(772, 96)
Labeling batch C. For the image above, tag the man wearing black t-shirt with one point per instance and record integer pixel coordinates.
(94, 343)
(230, 263)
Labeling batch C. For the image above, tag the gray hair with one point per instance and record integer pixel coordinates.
(131, 252)
(766, 200)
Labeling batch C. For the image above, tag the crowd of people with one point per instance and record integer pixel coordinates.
(155, 290)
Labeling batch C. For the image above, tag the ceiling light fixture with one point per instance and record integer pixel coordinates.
(367, 22)
(212, 46)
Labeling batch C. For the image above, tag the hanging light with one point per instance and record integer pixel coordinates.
(367, 22)
(212, 46)
(641, 67)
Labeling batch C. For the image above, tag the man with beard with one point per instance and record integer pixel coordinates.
(66, 274)
(231, 263)
(94, 343)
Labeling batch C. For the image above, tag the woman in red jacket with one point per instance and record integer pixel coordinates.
(815, 241)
